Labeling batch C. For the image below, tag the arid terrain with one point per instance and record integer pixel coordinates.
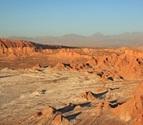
(59, 85)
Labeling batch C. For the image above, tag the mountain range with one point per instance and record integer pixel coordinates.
(95, 40)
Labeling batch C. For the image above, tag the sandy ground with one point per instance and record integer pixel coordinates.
(23, 92)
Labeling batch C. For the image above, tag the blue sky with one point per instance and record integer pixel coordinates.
(59, 17)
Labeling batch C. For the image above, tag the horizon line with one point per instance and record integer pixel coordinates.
(68, 34)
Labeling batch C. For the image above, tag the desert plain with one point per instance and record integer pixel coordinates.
(59, 85)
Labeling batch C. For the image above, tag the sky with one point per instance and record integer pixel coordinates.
(32, 18)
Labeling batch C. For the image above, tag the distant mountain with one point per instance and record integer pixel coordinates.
(95, 40)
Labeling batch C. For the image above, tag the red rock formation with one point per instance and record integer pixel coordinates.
(122, 63)
(16, 47)
(88, 96)
(47, 116)
(132, 110)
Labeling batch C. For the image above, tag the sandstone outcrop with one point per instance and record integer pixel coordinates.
(47, 116)
(132, 110)
(109, 64)
(17, 47)
(88, 96)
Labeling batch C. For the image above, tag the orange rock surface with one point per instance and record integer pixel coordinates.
(47, 116)
(111, 64)
(16, 47)
(132, 110)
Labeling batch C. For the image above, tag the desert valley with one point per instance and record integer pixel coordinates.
(61, 85)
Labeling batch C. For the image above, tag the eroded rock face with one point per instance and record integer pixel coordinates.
(47, 116)
(127, 113)
(89, 96)
(109, 64)
(17, 47)
(132, 110)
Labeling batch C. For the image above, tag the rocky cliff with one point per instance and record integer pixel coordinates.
(112, 64)
(17, 47)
